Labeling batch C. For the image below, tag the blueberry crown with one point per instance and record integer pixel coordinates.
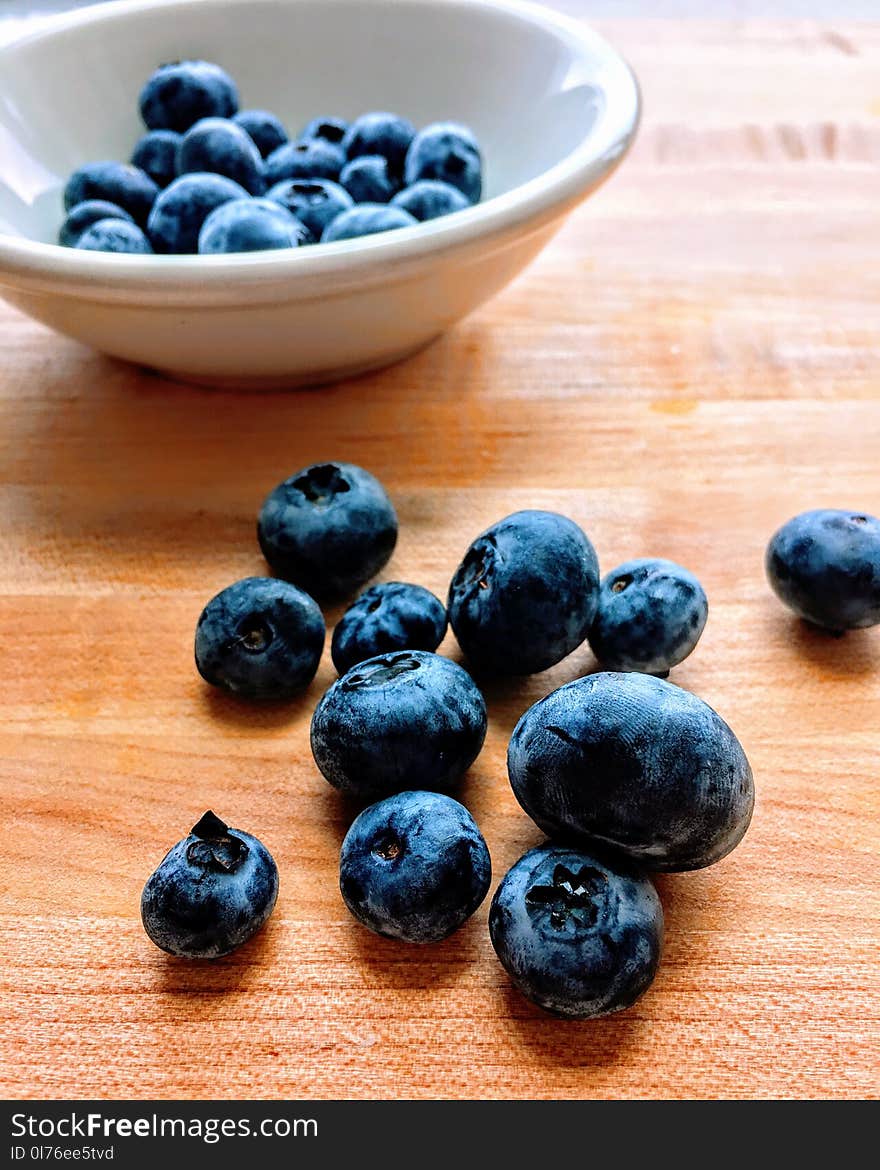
(215, 846)
(570, 896)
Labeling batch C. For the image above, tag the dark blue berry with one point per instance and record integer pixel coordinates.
(264, 128)
(210, 893)
(405, 720)
(219, 147)
(84, 215)
(156, 155)
(260, 638)
(386, 617)
(380, 133)
(825, 566)
(314, 202)
(312, 159)
(120, 183)
(629, 763)
(430, 199)
(414, 867)
(578, 937)
(366, 219)
(182, 208)
(448, 152)
(525, 594)
(177, 95)
(368, 180)
(330, 129)
(329, 528)
(114, 235)
(250, 225)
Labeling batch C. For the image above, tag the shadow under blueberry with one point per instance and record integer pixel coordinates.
(846, 655)
(209, 981)
(405, 966)
(256, 716)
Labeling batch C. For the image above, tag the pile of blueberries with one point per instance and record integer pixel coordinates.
(208, 177)
(624, 772)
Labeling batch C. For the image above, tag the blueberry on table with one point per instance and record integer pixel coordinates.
(577, 936)
(329, 528)
(406, 720)
(387, 617)
(330, 129)
(650, 617)
(312, 159)
(825, 566)
(156, 155)
(368, 180)
(182, 208)
(178, 94)
(366, 219)
(635, 765)
(260, 638)
(525, 594)
(250, 225)
(211, 892)
(314, 202)
(414, 867)
(430, 199)
(219, 147)
(264, 128)
(449, 152)
(114, 235)
(84, 215)
(113, 182)
(380, 133)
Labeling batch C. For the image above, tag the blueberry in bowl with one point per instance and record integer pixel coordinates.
(83, 215)
(450, 153)
(314, 158)
(220, 147)
(264, 127)
(182, 208)
(429, 199)
(179, 93)
(414, 867)
(368, 179)
(250, 225)
(314, 202)
(122, 184)
(367, 219)
(391, 616)
(384, 134)
(155, 153)
(114, 235)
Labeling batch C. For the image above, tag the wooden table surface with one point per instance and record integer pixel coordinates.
(693, 360)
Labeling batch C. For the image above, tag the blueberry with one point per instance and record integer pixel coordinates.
(177, 95)
(380, 133)
(329, 528)
(429, 199)
(84, 215)
(313, 159)
(525, 594)
(264, 128)
(114, 235)
(314, 202)
(825, 565)
(250, 225)
(650, 617)
(368, 180)
(386, 617)
(182, 208)
(414, 867)
(448, 152)
(120, 183)
(219, 147)
(366, 219)
(156, 155)
(405, 720)
(578, 937)
(330, 129)
(630, 763)
(210, 893)
(260, 638)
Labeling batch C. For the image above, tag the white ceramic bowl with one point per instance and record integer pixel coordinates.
(554, 107)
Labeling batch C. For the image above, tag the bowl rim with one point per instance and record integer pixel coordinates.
(529, 205)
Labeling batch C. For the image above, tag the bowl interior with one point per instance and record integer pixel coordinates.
(531, 90)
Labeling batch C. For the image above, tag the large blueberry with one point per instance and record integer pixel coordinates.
(84, 215)
(825, 565)
(380, 133)
(449, 152)
(525, 594)
(156, 155)
(414, 867)
(330, 129)
(264, 128)
(219, 147)
(250, 225)
(314, 202)
(178, 94)
(210, 893)
(578, 937)
(114, 235)
(329, 528)
(260, 638)
(429, 199)
(406, 720)
(182, 208)
(120, 183)
(386, 617)
(631, 763)
(368, 180)
(366, 219)
(650, 617)
(314, 158)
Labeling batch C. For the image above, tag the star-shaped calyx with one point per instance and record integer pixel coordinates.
(215, 847)
(572, 896)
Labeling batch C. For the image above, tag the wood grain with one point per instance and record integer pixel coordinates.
(693, 360)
